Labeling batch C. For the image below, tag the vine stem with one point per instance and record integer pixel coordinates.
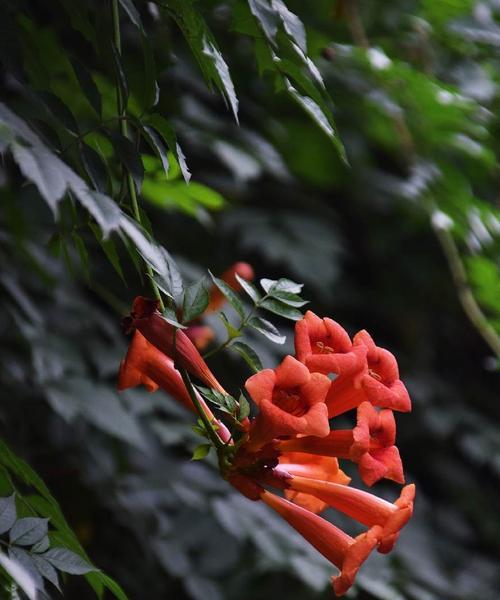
(465, 295)
(122, 115)
(214, 437)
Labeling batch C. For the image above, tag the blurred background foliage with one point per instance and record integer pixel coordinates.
(394, 242)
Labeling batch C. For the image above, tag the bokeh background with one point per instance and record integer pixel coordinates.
(415, 87)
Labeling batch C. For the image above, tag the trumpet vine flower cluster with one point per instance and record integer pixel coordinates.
(288, 444)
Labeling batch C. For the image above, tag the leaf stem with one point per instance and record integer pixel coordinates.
(122, 115)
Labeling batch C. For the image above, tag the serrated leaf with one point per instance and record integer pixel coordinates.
(249, 355)
(46, 570)
(28, 531)
(154, 140)
(67, 561)
(195, 301)
(323, 121)
(225, 81)
(291, 23)
(244, 410)
(166, 131)
(8, 513)
(266, 17)
(39, 167)
(201, 451)
(267, 329)
(249, 288)
(232, 298)
(88, 86)
(283, 310)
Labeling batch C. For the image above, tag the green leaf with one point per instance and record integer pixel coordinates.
(230, 295)
(154, 140)
(95, 167)
(120, 74)
(201, 451)
(232, 331)
(8, 513)
(266, 17)
(244, 408)
(46, 570)
(151, 92)
(89, 88)
(164, 128)
(128, 156)
(249, 288)
(169, 313)
(82, 253)
(288, 298)
(59, 111)
(26, 561)
(195, 301)
(267, 329)
(291, 23)
(323, 121)
(281, 285)
(204, 48)
(28, 531)
(249, 355)
(283, 310)
(67, 561)
(42, 545)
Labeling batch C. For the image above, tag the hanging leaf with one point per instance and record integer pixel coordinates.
(195, 301)
(8, 513)
(249, 355)
(67, 561)
(20, 575)
(28, 531)
(201, 451)
(283, 310)
(267, 329)
(89, 88)
(249, 288)
(232, 298)
(46, 570)
(154, 140)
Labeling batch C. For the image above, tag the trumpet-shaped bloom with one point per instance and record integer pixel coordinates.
(370, 444)
(217, 298)
(377, 381)
(325, 347)
(345, 552)
(314, 467)
(174, 343)
(382, 385)
(291, 401)
(145, 365)
(363, 506)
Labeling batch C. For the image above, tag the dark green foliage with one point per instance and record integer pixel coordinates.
(416, 118)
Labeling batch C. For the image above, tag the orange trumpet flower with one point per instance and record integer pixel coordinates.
(370, 444)
(146, 317)
(362, 506)
(345, 552)
(291, 401)
(145, 364)
(314, 467)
